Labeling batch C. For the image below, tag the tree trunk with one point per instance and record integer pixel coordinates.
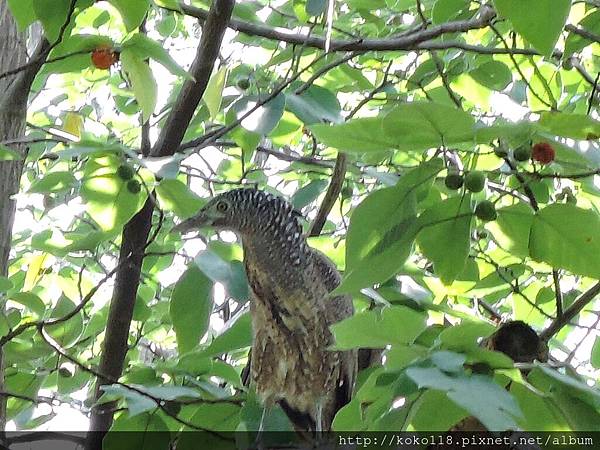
(13, 53)
(136, 232)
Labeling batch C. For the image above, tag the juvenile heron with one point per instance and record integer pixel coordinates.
(290, 307)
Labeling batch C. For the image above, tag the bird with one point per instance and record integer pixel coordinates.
(290, 307)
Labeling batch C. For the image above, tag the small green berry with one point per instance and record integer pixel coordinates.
(475, 181)
(453, 181)
(243, 83)
(486, 211)
(523, 153)
(567, 64)
(125, 172)
(134, 186)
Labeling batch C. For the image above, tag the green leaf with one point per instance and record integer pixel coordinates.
(230, 274)
(53, 182)
(575, 126)
(67, 332)
(595, 356)
(579, 414)
(367, 4)
(218, 416)
(264, 119)
(30, 301)
(6, 154)
(421, 125)
(4, 325)
(315, 105)
(448, 361)
(315, 7)
(213, 95)
(493, 74)
(427, 415)
(132, 11)
(516, 133)
(539, 413)
(465, 335)
(445, 236)
(444, 10)
(108, 200)
(175, 196)
(541, 30)
(356, 135)
(567, 237)
(492, 405)
(22, 11)
(512, 227)
(142, 81)
(24, 383)
(308, 193)
(374, 329)
(68, 385)
(193, 363)
(5, 284)
(143, 47)
(424, 74)
(575, 387)
(190, 308)
(52, 14)
(151, 433)
(349, 417)
(575, 42)
(86, 241)
(138, 403)
(237, 336)
(383, 227)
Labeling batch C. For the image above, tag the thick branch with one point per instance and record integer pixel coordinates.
(335, 187)
(402, 42)
(193, 90)
(136, 232)
(581, 302)
(583, 33)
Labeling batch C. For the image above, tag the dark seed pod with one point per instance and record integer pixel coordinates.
(134, 186)
(486, 211)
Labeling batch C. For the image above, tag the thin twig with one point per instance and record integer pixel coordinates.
(557, 293)
(591, 97)
(160, 403)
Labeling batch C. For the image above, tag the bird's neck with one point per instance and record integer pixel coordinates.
(279, 253)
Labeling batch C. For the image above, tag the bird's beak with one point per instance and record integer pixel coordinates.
(193, 223)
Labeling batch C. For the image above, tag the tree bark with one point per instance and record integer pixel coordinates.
(13, 109)
(136, 232)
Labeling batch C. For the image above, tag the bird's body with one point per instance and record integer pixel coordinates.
(291, 308)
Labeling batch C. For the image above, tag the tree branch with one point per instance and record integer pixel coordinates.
(333, 191)
(581, 302)
(400, 42)
(339, 171)
(137, 230)
(583, 33)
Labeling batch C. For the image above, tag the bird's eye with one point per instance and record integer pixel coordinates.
(222, 207)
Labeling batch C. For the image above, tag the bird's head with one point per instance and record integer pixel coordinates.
(218, 213)
(241, 210)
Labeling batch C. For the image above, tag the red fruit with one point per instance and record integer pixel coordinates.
(104, 57)
(543, 153)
